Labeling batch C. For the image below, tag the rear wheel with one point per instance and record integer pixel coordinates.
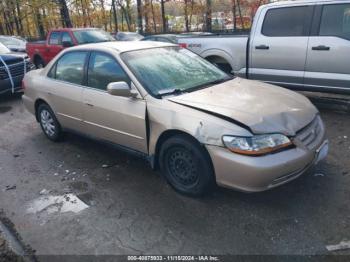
(186, 166)
(49, 123)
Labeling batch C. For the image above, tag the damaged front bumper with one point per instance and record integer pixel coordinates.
(255, 174)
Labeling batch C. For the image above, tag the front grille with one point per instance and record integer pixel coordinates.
(311, 135)
(15, 69)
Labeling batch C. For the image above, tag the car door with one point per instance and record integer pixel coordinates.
(121, 120)
(328, 61)
(65, 89)
(54, 45)
(279, 46)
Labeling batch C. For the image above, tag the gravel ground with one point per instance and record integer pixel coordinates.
(118, 205)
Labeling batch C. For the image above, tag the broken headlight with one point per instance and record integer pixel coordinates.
(256, 145)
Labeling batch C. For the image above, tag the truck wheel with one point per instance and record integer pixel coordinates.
(39, 63)
(49, 123)
(186, 166)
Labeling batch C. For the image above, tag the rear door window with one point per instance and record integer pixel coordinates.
(287, 21)
(55, 38)
(70, 67)
(335, 21)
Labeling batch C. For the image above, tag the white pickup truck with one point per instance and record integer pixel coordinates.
(302, 45)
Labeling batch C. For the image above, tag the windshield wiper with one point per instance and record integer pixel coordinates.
(215, 82)
(174, 91)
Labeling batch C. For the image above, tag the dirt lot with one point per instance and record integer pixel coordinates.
(81, 197)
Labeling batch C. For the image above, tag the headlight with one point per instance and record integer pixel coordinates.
(256, 145)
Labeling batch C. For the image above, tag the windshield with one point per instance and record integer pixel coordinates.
(92, 36)
(4, 49)
(172, 69)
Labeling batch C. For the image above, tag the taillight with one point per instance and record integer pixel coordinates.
(183, 45)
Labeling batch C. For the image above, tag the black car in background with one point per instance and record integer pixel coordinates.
(13, 67)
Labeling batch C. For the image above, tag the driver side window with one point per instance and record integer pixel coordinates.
(104, 69)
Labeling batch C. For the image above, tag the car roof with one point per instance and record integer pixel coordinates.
(300, 2)
(122, 46)
(75, 29)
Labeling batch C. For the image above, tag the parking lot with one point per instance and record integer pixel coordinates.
(119, 205)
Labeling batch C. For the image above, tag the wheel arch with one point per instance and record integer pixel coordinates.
(218, 56)
(167, 134)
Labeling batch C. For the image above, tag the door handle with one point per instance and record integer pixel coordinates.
(88, 104)
(321, 48)
(262, 47)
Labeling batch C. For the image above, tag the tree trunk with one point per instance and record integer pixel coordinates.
(65, 14)
(240, 13)
(115, 17)
(122, 21)
(15, 18)
(192, 6)
(103, 14)
(186, 17)
(39, 24)
(139, 16)
(208, 16)
(84, 12)
(234, 15)
(87, 6)
(19, 17)
(163, 16)
(153, 18)
(145, 11)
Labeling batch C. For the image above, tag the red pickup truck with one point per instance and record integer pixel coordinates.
(42, 52)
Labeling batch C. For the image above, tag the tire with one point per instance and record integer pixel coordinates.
(49, 123)
(226, 68)
(39, 63)
(186, 166)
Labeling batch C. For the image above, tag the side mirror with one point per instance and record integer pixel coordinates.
(67, 44)
(121, 89)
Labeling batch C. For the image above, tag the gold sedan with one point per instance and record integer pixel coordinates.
(200, 126)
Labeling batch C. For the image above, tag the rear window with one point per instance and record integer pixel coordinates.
(70, 68)
(289, 21)
(55, 38)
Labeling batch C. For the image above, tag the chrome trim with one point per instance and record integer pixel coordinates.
(70, 117)
(114, 130)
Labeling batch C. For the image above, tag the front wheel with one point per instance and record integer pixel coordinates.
(49, 123)
(186, 166)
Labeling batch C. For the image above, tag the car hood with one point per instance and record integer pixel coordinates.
(11, 58)
(261, 107)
